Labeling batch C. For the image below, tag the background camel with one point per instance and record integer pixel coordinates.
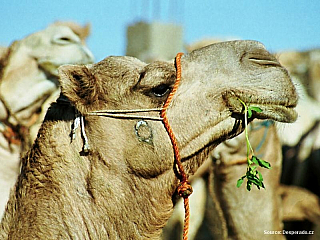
(229, 212)
(270, 208)
(28, 84)
(301, 151)
(123, 188)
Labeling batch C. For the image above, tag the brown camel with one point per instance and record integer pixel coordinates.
(258, 214)
(28, 84)
(123, 187)
(229, 212)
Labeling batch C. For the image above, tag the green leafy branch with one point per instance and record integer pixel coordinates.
(254, 177)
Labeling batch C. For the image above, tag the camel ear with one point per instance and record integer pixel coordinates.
(78, 85)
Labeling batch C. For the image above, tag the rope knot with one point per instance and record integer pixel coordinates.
(184, 189)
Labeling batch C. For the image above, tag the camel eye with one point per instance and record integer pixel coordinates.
(65, 39)
(160, 90)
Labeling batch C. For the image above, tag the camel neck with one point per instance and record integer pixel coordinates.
(68, 195)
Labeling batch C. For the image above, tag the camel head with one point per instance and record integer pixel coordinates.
(57, 45)
(29, 72)
(204, 111)
(124, 186)
(82, 31)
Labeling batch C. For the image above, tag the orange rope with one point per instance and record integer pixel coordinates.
(184, 189)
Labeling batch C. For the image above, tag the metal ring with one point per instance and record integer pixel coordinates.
(143, 132)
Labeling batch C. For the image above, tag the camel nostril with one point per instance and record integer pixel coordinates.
(265, 61)
(261, 57)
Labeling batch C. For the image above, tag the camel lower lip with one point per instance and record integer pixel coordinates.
(276, 112)
(280, 112)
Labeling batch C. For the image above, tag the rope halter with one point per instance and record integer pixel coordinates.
(184, 188)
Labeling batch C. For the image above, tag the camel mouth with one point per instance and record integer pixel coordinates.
(274, 109)
(31, 103)
(277, 110)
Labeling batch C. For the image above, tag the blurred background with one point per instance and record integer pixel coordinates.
(280, 25)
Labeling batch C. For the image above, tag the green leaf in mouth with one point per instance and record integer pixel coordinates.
(254, 177)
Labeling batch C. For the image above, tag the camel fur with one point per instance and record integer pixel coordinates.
(124, 187)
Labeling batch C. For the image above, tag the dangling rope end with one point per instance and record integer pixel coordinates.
(86, 148)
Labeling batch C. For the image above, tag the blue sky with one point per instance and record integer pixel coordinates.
(279, 24)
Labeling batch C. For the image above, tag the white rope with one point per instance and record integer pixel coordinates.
(128, 110)
(79, 120)
(125, 116)
(86, 146)
(121, 113)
